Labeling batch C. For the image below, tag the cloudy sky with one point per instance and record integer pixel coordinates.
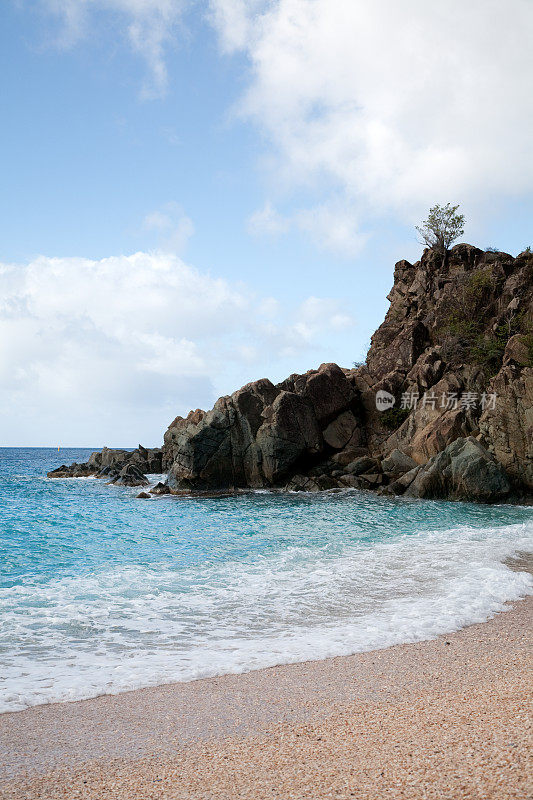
(200, 193)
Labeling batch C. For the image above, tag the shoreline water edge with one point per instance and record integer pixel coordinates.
(107, 594)
(436, 719)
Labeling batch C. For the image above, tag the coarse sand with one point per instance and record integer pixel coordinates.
(448, 718)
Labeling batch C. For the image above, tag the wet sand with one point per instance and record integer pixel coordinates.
(448, 718)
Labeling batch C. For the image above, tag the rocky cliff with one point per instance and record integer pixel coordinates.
(453, 365)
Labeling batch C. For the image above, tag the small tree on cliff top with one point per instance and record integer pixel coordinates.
(442, 227)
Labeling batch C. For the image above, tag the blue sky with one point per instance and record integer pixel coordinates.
(267, 160)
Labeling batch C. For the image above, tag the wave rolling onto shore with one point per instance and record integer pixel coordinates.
(101, 594)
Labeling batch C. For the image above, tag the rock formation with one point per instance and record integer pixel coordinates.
(122, 467)
(262, 434)
(454, 356)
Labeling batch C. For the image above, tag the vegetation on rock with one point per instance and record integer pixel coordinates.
(442, 227)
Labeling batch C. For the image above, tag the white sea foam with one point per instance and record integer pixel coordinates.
(136, 626)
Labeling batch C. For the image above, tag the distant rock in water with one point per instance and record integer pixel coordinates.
(110, 464)
(453, 360)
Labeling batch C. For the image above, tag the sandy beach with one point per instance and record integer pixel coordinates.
(448, 718)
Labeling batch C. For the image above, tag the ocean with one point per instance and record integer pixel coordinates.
(101, 593)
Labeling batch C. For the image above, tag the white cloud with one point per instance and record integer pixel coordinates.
(150, 28)
(267, 221)
(393, 105)
(109, 349)
(234, 19)
(173, 228)
(331, 226)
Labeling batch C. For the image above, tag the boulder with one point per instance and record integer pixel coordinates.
(107, 472)
(289, 433)
(399, 486)
(348, 455)
(343, 431)
(397, 463)
(143, 496)
(350, 482)
(262, 434)
(160, 488)
(465, 470)
(327, 389)
(518, 352)
(107, 457)
(373, 479)
(362, 464)
(302, 483)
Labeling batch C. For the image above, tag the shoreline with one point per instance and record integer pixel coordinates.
(237, 720)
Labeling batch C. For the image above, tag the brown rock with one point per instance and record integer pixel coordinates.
(344, 431)
(507, 429)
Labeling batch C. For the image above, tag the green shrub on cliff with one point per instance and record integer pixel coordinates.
(392, 418)
(442, 227)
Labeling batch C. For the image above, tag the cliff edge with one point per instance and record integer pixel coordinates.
(442, 407)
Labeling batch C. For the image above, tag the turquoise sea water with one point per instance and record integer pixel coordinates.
(101, 592)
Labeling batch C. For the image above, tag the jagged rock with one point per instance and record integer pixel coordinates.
(108, 463)
(457, 325)
(363, 464)
(372, 479)
(327, 389)
(402, 483)
(465, 470)
(427, 370)
(262, 433)
(344, 431)
(397, 463)
(107, 472)
(350, 482)
(130, 475)
(73, 471)
(160, 488)
(290, 432)
(148, 460)
(301, 483)
(347, 456)
(108, 457)
(439, 418)
(507, 429)
(465, 304)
